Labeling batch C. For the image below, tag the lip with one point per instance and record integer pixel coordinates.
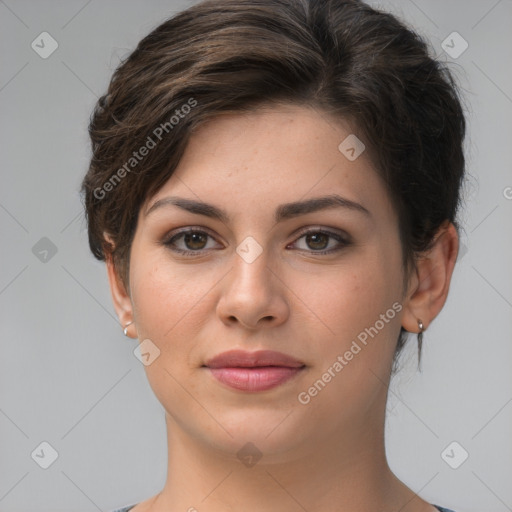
(244, 359)
(253, 371)
(254, 379)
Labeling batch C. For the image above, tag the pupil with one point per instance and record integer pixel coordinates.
(312, 240)
(315, 236)
(194, 237)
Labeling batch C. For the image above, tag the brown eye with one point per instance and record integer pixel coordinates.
(317, 241)
(193, 240)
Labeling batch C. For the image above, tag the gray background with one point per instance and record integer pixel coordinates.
(69, 377)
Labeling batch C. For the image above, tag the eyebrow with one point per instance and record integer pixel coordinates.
(283, 211)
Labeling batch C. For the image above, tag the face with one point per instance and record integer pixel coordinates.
(320, 284)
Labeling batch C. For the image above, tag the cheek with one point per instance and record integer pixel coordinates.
(359, 308)
(164, 296)
(354, 309)
(350, 297)
(171, 307)
(173, 303)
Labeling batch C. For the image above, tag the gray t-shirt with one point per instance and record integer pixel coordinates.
(126, 509)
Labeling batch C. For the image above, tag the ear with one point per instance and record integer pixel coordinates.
(429, 284)
(120, 298)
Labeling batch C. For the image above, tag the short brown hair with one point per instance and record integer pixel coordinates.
(341, 57)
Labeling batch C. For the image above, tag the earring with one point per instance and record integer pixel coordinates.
(125, 330)
(420, 325)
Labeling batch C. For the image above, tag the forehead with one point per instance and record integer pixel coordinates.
(253, 161)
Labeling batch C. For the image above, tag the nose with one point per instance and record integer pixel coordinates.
(253, 295)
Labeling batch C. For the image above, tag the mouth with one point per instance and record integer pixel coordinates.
(259, 378)
(253, 371)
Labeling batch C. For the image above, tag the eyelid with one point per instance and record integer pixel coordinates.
(321, 229)
(342, 237)
(188, 229)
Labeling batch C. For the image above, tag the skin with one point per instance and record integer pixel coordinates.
(326, 455)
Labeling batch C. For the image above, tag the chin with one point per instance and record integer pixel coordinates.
(273, 432)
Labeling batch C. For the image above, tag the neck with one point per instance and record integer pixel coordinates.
(343, 471)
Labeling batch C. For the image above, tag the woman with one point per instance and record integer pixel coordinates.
(274, 188)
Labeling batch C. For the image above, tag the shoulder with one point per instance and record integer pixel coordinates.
(126, 509)
(142, 506)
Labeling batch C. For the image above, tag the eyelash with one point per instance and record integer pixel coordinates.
(170, 241)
